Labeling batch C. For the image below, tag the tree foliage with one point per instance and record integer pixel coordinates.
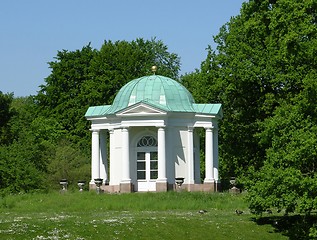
(289, 136)
(88, 77)
(23, 161)
(5, 115)
(263, 72)
(46, 137)
(66, 162)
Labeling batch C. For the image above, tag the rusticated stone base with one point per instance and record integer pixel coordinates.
(209, 187)
(112, 188)
(126, 187)
(93, 187)
(161, 186)
(205, 187)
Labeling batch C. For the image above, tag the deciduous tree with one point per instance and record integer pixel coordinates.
(5, 116)
(88, 77)
(263, 71)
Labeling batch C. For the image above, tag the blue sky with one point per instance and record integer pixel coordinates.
(32, 31)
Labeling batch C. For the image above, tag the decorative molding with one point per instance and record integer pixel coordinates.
(140, 109)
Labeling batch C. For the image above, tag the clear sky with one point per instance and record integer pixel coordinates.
(32, 31)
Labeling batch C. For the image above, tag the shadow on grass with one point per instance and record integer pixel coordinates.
(295, 226)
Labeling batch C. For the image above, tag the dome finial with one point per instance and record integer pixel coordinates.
(154, 68)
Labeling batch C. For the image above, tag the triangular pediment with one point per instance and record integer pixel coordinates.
(141, 109)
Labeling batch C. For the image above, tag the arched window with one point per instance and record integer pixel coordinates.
(147, 141)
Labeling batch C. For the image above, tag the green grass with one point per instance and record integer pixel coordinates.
(169, 215)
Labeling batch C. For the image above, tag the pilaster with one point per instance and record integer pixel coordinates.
(215, 153)
(103, 156)
(95, 155)
(161, 182)
(125, 156)
(190, 156)
(209, 164)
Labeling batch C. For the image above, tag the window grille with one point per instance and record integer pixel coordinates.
(147, 141)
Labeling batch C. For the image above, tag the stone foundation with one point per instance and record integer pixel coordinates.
(205, 187)
(126, 187)
(208, 187)
(161, 186)
(112, 188)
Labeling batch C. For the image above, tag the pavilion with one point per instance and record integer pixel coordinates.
(149, 136)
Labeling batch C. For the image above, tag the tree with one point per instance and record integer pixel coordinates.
(23, 165)
(66, 162)
(288, 178)
(119, 62)
(17, 173)
(61, 98)
(60, 137)
(88, 77)
(233, 76)
(265, 58)
(5, 115)
(264, 73)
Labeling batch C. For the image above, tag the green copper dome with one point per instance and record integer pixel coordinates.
(159, 91)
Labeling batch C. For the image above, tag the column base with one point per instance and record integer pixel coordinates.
(211, 186)
(192, 187)
(208, 187)
(126, 187)
(161, 186)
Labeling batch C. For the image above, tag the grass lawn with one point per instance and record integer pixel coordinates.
(170, 215)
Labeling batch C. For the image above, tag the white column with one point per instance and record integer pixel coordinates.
(103, 156)
(161, 149)
(125, 156)
(197, 158)
(209, 164)
(95, 155)
(111, 158)
(215, 151)
(190, 156)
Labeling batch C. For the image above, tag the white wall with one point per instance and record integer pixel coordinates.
(180, 152)
(176, 153)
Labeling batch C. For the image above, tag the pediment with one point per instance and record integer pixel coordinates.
(141, 109)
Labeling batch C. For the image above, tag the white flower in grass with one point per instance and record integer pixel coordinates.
(39, 237)
(111, 220)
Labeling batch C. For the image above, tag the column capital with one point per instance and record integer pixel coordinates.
(214, 126)
(161, 128)
(190, 128)
(94, 130)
